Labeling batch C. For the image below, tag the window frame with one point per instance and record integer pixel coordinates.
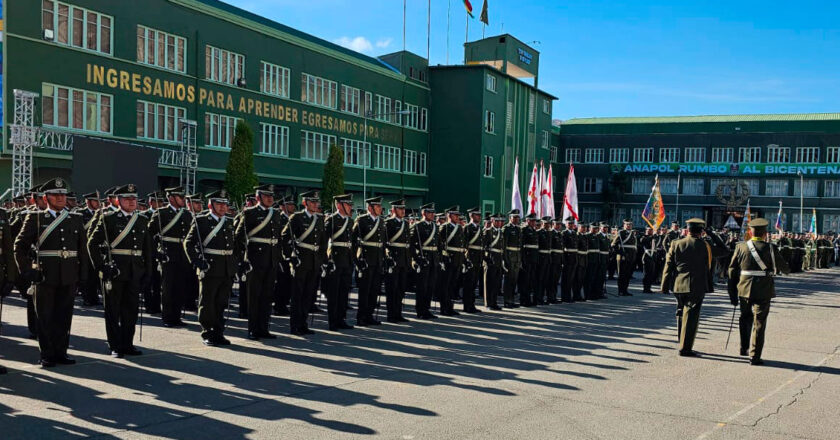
(324, 142)
(622, 152)
(491, 79)
(147, 31)
(71, 27)
(643, 151)
(282, 82)
(489, 122)
(156, 119)
(575, 152)
(277, 134)
(229, 133)
(488, 166)
(71, 111)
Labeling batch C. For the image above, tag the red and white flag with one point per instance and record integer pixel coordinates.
(548, 190)
(534, 193)
(544, 208)
(516, 197)
(570, 198)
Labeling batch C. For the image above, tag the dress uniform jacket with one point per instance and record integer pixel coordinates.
(493, 244)
(168, 226)
(513, 260)
(304, 238)
(625, 244)
(397, 235)
(473, 270)
(570, 261)
(425, 250)
(337, 284)
(454, 249)
(257, 240)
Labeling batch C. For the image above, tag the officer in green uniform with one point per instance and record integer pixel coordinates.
(368, 238)
(120, 249)
(785, 247)
(51, 253)
(687, 273)
(285, 282)
(168, 226)
(751, 286)
(425, 249)
(454, 248)
(624, 244)
(339, 277)
(473, 269)
(305, 241)
(512, 232)
(493, 243)
(570, 260)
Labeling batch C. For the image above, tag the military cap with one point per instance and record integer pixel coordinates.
(399, 203)
(266, 190)
(499, 216)
(19, 199)
(289, 201)
(547, 219)
(71, 195)
(627, 220)
(110, 191)
(219, 196)
(125, 191)
(249, 196)
(759, 223)
(53, 186)
(157, 195)
(308, 196)
(514, 213)
(195, 197)
(604, 225)
(454, 210)
(90, 196)
(697, 222)
(175, 191)
(428, 207)
(594, 225)
(344, 198)
(531, 216)
(475, 210)
(675, 223)
(570, 219)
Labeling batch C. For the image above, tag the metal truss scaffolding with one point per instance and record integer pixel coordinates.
(189, 155)
(24, 136)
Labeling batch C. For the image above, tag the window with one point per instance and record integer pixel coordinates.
(668, 185)
(275, 79)
(356, 153)
(590, 214)
(832, 188)
(809, 185)
(275, 140)
(776, 187)
(77, 27)
(546, 139)
(553, 155)
(412, 119)
(695, 155)
(223, 65)
(715, 183)
(319, 91)
(749, 154)
(593, 155)
(158, 121)
(592, 185)
(722, 155)
(669, 155)
(546, 106)
(636, 216)
(490, 121)
(415, 163)
(76, 109)
(422, 166)
(642, 185)
(807, 154)
(424, 119)
(690, 213)
(831, 222)
(572, 155)
(218, 130)
(491, 83)
(488, 166)
(693, 186)
(643, 155)
(797, 223)
(384, 111)
(832, 155)
(315, 146)
(398, 118)
(619, 155)
(161, 49)
(777, 154)
(368, 109)
(532, 104)
(386, 158)
(753, 185)
(351, 100)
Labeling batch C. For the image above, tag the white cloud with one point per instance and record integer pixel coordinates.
(384, 43)
(359, 44)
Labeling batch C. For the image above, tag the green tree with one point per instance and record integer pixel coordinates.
(240, 177)
(333, 180)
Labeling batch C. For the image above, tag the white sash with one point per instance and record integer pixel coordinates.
(372, 230)
(343, 228)
(496, 240)
(431, 236)
(755, 255)
(61, 217)
(212, 233)
(399, 233)
(475, 237)
(171, 222)
(262, 225)
(124, 232)
(308, 230)
(452, 234)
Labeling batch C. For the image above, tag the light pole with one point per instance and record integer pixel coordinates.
(801, 200)
(366, 154)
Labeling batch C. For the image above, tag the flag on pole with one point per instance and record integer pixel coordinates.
(654, 212)
(813, 231)
(549, 192)
(534, 193)
(483, 17)
(780, 224)
(544, 208)
(516, 197)
(468, 7)
(745, 224)
(570, 199)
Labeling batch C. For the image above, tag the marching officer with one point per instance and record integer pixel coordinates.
(425, 248)
(603, 258)
(570, 260)
(50, 252)
(211, 248)
(493, 243)
(687, 273)
(368, 238)
(453, 249)
(475, 256)
(339, 279)
(513, 257)
(545, 277)
(91, 289)
(751, 286)
(625, 244)
(242, 295)
(397, 261)
(648, 245)
(120, 249)
(36, 202)
(257, 236)
(168, 226)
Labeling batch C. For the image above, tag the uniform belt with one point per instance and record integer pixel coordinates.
(530, 246)
(593, 251)
(60, 254)
(128, 252)
(475, 248)
(398, 245)
(512, 249)
(754, 273)
(345, 244)
(455, 249)
(170, 239)
(307, 246)
(583, 252)
(271, 241)
(494, 250)
(221, 252)
(544, 251)
(375, 244)
(557, 251)
(604, 252)
(430, 248)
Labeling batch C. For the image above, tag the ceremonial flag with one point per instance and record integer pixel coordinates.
(533, 193)
(654, 212)
(745, 225)
(549, 192)
(813, 231)
(570, 199)
(543, 193)
(516, 197)
(780, 225)
(468, 7)
(483, 17)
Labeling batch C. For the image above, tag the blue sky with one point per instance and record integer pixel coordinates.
(619, 58)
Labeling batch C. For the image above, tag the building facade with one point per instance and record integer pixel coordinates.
(708, 167)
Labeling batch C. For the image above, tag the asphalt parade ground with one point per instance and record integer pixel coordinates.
(605, 369)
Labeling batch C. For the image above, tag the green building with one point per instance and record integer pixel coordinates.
(708, 167)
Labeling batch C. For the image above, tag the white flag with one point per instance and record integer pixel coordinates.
(516, 197)
(570, 198)
(544, 201)
(549, 192)
(534, 193)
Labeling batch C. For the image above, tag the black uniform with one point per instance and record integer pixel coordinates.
(257, 239)
(473, 269)
(649, 245)
(168, 226)
(398, 265)
(495, 265)
(425, 250)
(513, 258)
(368, 239)
(570, 260)
(556, 268)
(579, 278)
(454, 247)
(625, 247)
(339, 280)
(544, 268)
(92, 288)
(285, 281)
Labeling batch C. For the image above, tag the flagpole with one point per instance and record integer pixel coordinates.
(429, 31)
(404, 5)
(677, 212)
(466, 33)
(448, 17)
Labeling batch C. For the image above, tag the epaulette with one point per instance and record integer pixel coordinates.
(203, 214)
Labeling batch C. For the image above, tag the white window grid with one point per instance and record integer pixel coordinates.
(668, 185)
(776, 187)
(368, 104)
(593, 155)
(351, 100)
(318, 91)
(810, 186)
(411, 162)
(491, 83)
(669, 155)
(592, 185)
(274, 80)
(572, 155)
(832, 188)
(412, 119)
(642, 185)
(831, 222)
(807, 154)
(161, 49)
(275, 140)
(643, 155)
(488, 166)
(78, 27)
(619, 155)
(159, 121)
(356, 153)
(722, 155)
(398, 118)
(749, 155)
(384, 110)
(489, 121)
(693, 186)
(386, 158)
(315, 146)
(695, 155)
(832, 155)
(532, 104)
(546, 139)
(509, 118)
(546, 106)
(223, 66)
(76, 109)
(553, 155)
(424, 120)
(777, 154)
(219, 130)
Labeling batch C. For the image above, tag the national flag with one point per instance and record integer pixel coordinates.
(654, 212)
(483, 17)
(549, 192)
(468, 7)
(534, 192)
(570, 198)
(543, 192)
(780, 225)
(516, 197)
(745, 224)
(813, 231)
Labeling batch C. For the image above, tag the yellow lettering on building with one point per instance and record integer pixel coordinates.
(169, 89)
(156, 90)
(147, 85)
(180, 92)
(135, 82)
(111, 76)
(191, 94)
(124, 78)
